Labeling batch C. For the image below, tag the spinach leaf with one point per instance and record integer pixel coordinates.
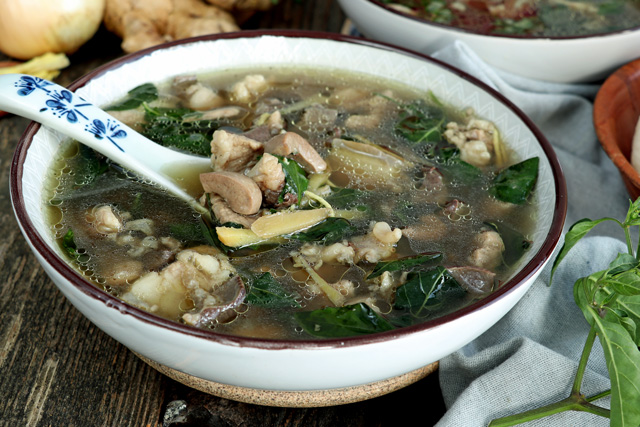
(295, 178)
(266, 291)
(515, 183)
(404, 264)
(69, 246)
(419, 122)
(90, 166)
(515, 243)
(451, 165)
(168, 127)
(137, 96)
(347, 198)
(328, 231)
(347, 321)
(426, 289)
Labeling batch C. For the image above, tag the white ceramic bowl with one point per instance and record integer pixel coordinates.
(561, 60)
(288, 365)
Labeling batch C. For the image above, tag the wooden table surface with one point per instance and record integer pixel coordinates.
(58, 369)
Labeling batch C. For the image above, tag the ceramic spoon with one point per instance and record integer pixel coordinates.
(62, 110)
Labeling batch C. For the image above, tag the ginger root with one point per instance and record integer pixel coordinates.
(147, 23)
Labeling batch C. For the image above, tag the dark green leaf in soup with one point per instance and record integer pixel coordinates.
(265, 291)
(403, 264)
(179, 128)
(419, 121)
(515, 243)
(348, 198)
(515, 183)
(296, 181)
(91, 166)
(137, 96)
(337, 322)
(425, 290)
(328, 231)
(69, 245)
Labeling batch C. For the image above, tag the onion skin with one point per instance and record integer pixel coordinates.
(29, 28)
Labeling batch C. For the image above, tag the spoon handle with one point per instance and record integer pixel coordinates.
(66, 112)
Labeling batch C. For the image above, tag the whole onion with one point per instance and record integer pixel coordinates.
(29, 28)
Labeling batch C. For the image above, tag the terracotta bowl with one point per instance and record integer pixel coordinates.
(282, 372)
(615, 114)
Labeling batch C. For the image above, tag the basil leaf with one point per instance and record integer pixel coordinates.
(573, 236)
(426, 289)
(515, 183)
(625, 283)
(404, 264)
(137, 96)
(623, 363)
(266, 291)
(328, 231)
(337, 322)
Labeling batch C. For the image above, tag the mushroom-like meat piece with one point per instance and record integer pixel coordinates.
(292, 145)
(488, 254)
(241, 192)
(225, 214)
(105, 220)
(378, 244)
(227, 296)
(265, 129)
(475, 280)
(233, 152)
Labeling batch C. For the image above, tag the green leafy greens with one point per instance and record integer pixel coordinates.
(136, 97)
(338, 322)
(515, 183)
(610, 302)
(179, 128)
(266, 291)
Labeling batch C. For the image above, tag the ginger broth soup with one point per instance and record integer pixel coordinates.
(341, 205)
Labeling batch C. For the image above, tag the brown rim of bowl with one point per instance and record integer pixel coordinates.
(615, 83)
(503, 36)
(92, 291)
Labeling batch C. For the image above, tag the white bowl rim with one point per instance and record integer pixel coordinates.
(560, 39)
(71, 275)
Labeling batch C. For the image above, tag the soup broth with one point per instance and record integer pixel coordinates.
(339, 205)
(529, 18)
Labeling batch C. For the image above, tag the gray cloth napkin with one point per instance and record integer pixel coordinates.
(528, 359)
